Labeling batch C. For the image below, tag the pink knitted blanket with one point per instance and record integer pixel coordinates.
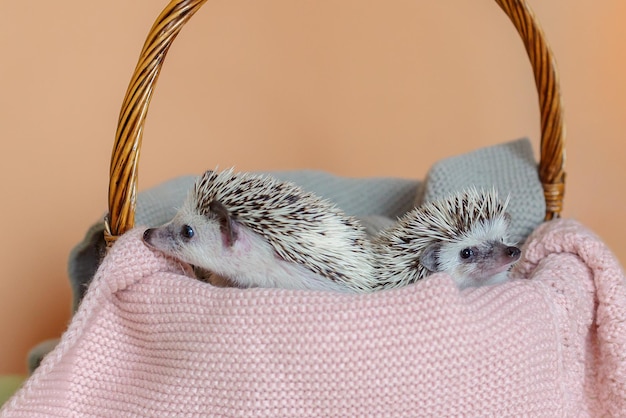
(149, 341)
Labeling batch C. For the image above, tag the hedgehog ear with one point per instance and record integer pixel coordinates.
(225, 220)
(430, 257)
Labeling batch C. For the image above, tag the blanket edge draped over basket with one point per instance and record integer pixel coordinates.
(148, 339)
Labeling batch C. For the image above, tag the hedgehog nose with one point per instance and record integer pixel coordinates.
(513, 252)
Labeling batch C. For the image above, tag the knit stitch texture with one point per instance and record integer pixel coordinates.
(147, 340)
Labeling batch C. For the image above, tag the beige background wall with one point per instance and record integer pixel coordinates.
(352, 87)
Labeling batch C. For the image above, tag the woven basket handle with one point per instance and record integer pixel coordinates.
(125, 156)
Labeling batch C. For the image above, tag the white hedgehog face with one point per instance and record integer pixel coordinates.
(482, 257)
(191, 238)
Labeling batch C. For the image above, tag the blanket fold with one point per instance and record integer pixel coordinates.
(148, 340)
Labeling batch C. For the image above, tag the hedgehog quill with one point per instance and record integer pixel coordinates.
(464, 235)
(256, 231)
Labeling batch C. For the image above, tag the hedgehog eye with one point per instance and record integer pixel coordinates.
(466, 253)
(187, 232)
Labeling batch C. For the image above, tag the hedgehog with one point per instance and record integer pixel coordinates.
(255, 231)
(464, 235)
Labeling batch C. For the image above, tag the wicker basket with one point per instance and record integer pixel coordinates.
(147, 342)
(125, 156)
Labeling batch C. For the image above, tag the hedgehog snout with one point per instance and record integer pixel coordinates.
(152, 237)
(147, 234)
